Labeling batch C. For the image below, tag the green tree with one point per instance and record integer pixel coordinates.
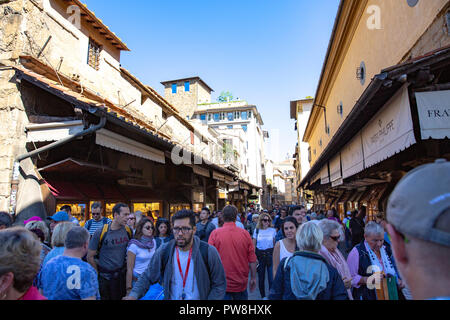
(225, 96)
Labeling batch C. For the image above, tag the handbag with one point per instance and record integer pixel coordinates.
(155, 292)
(388, 289)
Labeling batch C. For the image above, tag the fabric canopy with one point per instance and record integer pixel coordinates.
(352, 157)
(120, 143)
(390, 131)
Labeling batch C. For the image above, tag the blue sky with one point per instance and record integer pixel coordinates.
(267, 52)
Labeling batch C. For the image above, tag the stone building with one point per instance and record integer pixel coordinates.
(77, 127)
(387, 63)
(186, 94)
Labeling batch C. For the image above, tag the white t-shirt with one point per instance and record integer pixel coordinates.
(265, 238)
(143, 257)
(215, 222)
(191, 289)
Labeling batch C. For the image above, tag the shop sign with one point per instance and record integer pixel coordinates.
(434, 114)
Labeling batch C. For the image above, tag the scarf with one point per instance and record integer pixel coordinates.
(337, 260)
(386, 265)
(143, 243)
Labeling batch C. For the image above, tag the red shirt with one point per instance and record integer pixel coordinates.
(236, 251)
(33, 294)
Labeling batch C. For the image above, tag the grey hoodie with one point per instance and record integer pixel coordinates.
(213, 289)
(309, 277)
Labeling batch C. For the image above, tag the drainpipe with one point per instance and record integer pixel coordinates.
(16, 167)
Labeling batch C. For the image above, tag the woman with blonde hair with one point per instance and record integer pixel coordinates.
(19, 264)
(264, 242)
(41, 230)
(58, 239)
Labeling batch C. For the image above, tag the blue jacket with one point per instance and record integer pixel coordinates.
(282, 284)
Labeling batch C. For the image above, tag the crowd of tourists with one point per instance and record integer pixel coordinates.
(224, 255)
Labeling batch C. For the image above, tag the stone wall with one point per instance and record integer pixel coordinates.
(435, 37)
(184, 102)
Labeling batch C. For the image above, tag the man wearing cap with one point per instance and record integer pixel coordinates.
(58, 217)
(418, 214)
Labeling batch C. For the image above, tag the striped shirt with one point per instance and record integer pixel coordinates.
(95, 225)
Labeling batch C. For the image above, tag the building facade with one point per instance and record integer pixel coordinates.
(300, 111)
(379, 109)
(77, 127)
(239, 126)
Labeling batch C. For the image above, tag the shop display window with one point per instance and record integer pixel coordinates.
(150, 209)
(78, 209)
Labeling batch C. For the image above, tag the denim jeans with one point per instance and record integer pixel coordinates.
(264, 265)
(236, 295)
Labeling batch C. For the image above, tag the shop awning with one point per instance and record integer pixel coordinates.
(335, 171)
(390, 131)
(381, 89)
(123, 144)
(218, 176)
(201, 171)
(324, 176)
(65, 190)
(352, 157)
(53, 131)
(76, 168)
(83, 191)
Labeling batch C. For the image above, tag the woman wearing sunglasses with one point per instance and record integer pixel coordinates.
(140, 251)
(332, 234)
(264, 242)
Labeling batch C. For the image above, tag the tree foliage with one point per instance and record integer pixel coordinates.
(225, 96)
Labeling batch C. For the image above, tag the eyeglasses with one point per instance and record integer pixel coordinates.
(182, 229)
(335, 238)
(149, 228)
(131, 218)
(266, 220)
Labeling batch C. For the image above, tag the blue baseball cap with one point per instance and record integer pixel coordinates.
(59, 216)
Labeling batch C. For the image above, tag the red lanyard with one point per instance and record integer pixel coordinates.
(184, 277)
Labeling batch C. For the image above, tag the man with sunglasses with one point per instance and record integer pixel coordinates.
(97, 221)
(190, 269)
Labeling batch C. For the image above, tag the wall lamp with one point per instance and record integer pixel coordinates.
(327, 129)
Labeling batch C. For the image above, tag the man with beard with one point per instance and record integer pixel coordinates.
(187, 268)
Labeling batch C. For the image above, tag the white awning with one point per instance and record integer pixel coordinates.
(390, 131)
(324, 177)
(434, 114)
(335, 170)
(120, 143)
(218, 176)
(201, 171)
(352, 157)
(53, 131)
